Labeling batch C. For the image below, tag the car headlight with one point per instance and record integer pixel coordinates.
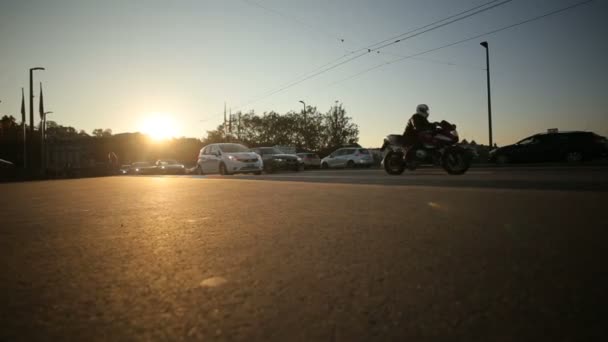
(278, 160)
(136, 170)
(162, 167)
(182, 166)
(299, 159)
(233, 158)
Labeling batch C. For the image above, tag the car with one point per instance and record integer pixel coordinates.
(124, 169)
(5, 164)
(274, 159)
(169, 167)
(310, 160)
(228, 159)
(553, 147)
(142, 168)
(348, 157)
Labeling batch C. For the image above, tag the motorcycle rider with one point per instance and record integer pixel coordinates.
(418, 125)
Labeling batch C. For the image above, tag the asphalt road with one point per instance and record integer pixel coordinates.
(495, 255)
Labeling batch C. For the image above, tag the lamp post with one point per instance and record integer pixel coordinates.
(485, 45)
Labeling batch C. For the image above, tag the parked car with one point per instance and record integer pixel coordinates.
(274, 159)
(142, 168)
(553, 147)
(228, 159)
(349, 157)
(310, 160)
(169, 167)
(124, 169)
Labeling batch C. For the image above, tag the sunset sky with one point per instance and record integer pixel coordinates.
(115, 63)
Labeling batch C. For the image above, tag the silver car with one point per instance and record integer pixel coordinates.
(348, 157)
(228, 159)
(310, 160)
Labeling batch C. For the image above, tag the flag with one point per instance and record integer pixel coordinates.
(41, 109)
(22, 107)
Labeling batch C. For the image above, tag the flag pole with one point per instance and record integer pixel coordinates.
(24, 124)
(42, 123)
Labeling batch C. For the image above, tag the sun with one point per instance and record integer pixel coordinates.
(159, 126)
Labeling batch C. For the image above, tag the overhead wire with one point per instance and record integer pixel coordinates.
(413, 56)
(364, 51)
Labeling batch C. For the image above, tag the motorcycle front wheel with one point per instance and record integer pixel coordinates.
(394, 163)
(455, 162)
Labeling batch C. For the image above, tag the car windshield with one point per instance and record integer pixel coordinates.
(526, 141)
(233, 148)
(270, 150)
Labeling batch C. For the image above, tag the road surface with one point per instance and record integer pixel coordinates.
(495, 255)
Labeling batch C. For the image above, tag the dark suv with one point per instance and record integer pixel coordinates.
(553, 147)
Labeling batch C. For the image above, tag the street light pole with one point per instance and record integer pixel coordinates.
(485, 45)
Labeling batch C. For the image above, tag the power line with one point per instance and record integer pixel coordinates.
(288, 17)
(333, 65)
(434, 23)
(372, 48)
(466, 40)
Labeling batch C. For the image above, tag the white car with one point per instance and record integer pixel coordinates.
(349, 157)
(228, 159)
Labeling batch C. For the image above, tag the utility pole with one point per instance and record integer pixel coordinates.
(224, 117)
(485, 45)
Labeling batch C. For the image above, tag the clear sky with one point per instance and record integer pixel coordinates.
(113, 63)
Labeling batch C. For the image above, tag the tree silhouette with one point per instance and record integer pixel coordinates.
(311, 130)
(97, 132)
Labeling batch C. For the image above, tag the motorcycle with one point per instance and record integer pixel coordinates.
(437, 147)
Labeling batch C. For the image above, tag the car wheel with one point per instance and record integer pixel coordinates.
(324, 166)
(350, 164)
(574, 157)
(502, 159)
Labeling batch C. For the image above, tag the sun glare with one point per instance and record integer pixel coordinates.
(159, 126)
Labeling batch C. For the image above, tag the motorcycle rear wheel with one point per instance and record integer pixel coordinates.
(393, 163)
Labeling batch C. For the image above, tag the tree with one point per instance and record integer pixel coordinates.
(314, 131)
(106, 132)
(98, 132)
(340, 130)
(8, 124)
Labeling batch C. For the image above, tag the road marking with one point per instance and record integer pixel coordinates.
(213, 282)
(434, 205)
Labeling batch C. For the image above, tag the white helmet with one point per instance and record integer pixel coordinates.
(423, 110)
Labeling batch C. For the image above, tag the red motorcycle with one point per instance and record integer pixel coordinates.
(437, 147)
